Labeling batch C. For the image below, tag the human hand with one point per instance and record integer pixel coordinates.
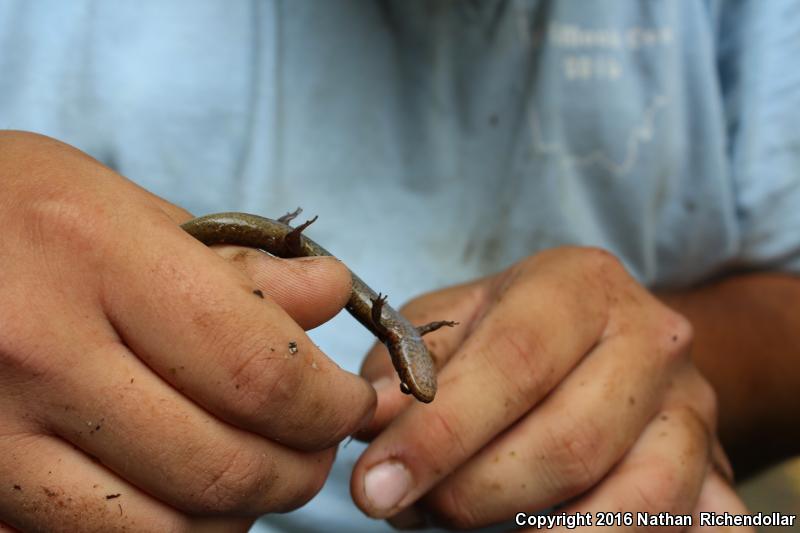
(567, 383)
(143, 384)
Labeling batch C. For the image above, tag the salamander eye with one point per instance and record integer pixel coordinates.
(404, 388)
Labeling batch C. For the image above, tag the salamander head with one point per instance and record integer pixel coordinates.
(418, 376)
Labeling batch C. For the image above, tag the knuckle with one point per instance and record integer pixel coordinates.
(674, 475)
(454, 508)
(175, 525)
(23, 145)
(663, 490)
(525, 265)
(596, 261)
(322, 462)
(692, 424)
(415, 305)
(706, 402)
(571, 456)
(68, 218)
(595, 275)
(657, 494)
(24, 136)
(522, 368)
(242, 481)
(341, 423)
(14, 354)
(264, 377)
(672, 333)
(21, 352)
(442, 427)
(231, 482)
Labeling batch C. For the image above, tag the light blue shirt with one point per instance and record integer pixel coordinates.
(438, 141)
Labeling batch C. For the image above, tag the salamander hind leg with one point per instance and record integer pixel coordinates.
(292, 240)
(291, 215)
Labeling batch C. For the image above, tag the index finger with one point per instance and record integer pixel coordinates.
(506, 366)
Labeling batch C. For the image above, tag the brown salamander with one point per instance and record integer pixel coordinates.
(410, 356)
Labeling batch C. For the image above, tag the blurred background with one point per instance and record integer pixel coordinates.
(777, 489)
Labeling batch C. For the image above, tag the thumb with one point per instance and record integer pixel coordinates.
(311, 290)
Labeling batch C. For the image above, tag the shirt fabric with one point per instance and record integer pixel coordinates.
(438, 141)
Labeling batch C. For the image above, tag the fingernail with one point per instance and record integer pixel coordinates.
(382, 383)
(386, 484)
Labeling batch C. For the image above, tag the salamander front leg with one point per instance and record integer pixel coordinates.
(377, 308)
(433, 326)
